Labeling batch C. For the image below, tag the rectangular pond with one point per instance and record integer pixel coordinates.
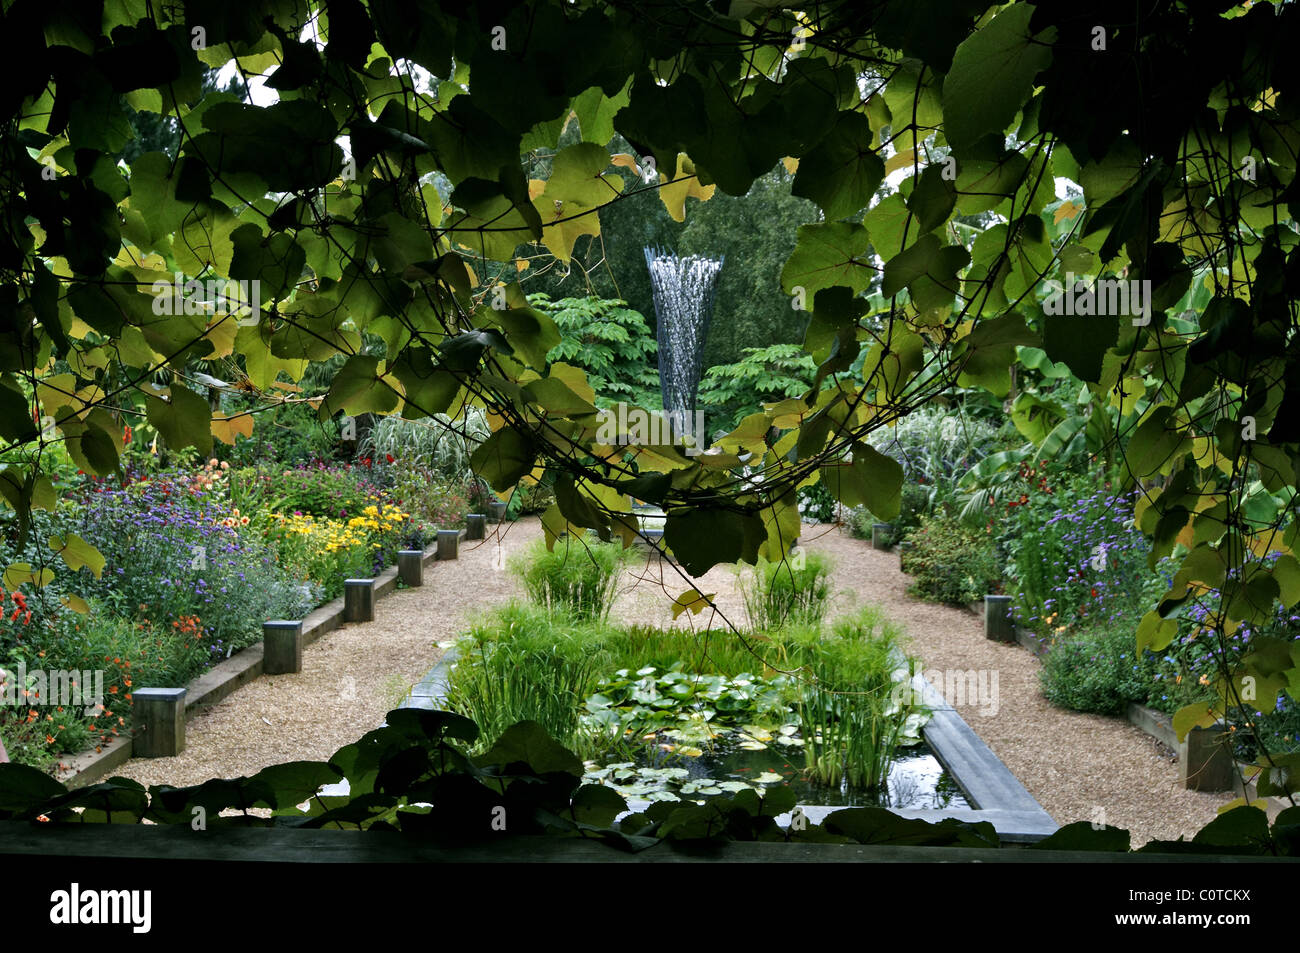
(953, 774)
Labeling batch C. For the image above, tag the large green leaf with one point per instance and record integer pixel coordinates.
(831, 253)
(358, 389)
(528, 743)
(703, 538)
(183, 418)
(992, 76)
(504, 458)
(871, 479)
(842, 173)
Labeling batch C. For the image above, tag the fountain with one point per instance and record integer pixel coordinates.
(683, 291)
(683, 294)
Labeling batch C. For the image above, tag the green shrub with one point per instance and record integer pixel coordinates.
(763, 374)
(791, 592)
(287, 434)
(580, 576)
(936, 445)
(951, 563)
(522, 663)
(1097, 671)
(859, 522)
(816, 505)
(430, 499)
(332, 491)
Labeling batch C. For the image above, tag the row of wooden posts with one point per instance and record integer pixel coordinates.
(1205, 761)
(158, 714)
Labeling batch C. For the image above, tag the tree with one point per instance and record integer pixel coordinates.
(1177, 122)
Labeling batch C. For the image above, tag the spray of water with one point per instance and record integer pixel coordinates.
(683, 294)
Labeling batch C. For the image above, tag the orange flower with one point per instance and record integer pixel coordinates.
(49, 739)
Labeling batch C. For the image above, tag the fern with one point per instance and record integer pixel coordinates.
(764, 374)
(611, 342)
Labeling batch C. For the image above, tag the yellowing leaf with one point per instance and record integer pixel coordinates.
(900, 160)
(19, 574)
(1070, 209)
(221, 332)
(225, 428)
(791, 164)
(575, 379)
(75, 603)
(626, 161)
(683, 185)
(1199, 715)
(692, 600)
(569, 202)
(76, 552)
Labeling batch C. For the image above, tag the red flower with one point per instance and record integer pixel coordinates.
(389, 456)
(1094, 592)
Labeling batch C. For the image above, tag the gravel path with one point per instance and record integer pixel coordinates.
(1079, 767)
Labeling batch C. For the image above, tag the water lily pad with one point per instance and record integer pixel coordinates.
(767, 777)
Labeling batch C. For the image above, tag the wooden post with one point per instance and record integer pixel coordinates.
(1205, 760)
(410, 566)
(904, 550)
(997, 619)
(159, 717)
(448, 542)
(358, 600)
(281, 647)
(880, 534)
(475, 526)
